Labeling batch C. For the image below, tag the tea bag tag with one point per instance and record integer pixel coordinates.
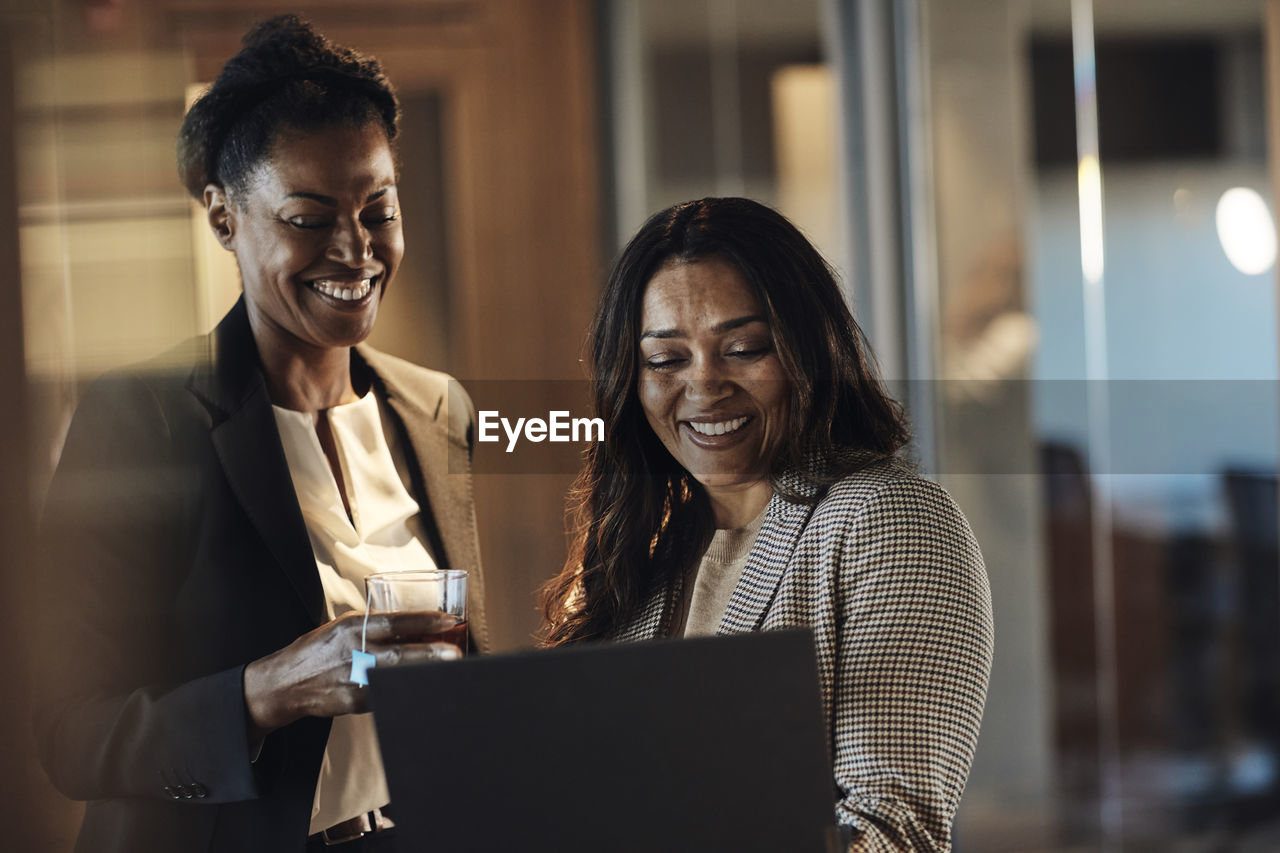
(361, 663)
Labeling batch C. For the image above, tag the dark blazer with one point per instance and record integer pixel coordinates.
(173, 552)
(886, 573)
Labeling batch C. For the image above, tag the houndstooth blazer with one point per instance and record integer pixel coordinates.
(886, 572)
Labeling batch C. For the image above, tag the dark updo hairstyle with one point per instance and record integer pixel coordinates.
(638, 518)
(286, 76)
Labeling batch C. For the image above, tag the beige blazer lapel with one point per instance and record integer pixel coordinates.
(437, 418)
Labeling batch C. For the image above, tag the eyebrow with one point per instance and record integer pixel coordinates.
(333, 202)
(718, 328)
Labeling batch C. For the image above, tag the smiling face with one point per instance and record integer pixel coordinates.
(316, 235)
(711, 384)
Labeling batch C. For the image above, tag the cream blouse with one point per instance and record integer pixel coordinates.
(381, 535)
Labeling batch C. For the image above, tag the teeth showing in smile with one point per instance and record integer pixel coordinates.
(719, 428)
(344, 290)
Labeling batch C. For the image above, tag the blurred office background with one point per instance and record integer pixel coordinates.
(1054, 218)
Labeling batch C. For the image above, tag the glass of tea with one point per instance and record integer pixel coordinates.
(444, 590)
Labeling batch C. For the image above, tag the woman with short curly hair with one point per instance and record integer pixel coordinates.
(215, 512)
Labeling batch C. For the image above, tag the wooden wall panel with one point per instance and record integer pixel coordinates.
(537, 265)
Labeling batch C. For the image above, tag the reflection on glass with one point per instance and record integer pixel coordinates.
(1246, 230)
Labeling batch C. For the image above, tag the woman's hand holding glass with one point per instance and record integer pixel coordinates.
(311, 677)
(434, 590)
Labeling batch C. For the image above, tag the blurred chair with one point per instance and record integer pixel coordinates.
(1253, 503)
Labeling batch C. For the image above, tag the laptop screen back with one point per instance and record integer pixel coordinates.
(701, 745)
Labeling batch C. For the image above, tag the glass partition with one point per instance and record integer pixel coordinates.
(724, 97)
(1108, 415)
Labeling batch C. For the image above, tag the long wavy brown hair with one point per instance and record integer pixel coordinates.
(637, 518)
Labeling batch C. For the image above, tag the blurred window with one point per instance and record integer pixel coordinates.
(1108, 415)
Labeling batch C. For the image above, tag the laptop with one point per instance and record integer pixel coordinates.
(703, 744)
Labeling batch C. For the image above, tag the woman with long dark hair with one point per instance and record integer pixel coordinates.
(751, 479)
